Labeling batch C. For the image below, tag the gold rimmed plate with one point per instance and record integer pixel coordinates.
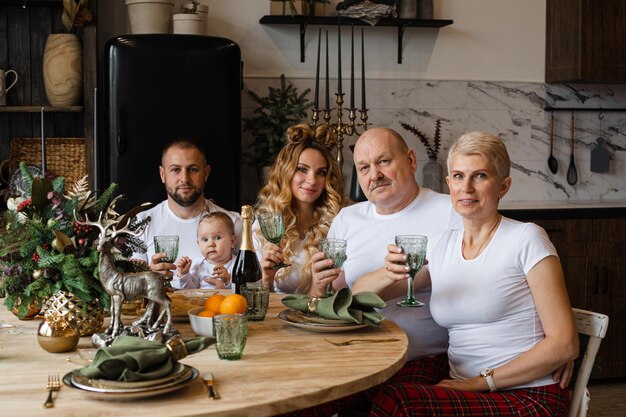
(303, 321)
(128, 394)
(310, 318)
(179, 373)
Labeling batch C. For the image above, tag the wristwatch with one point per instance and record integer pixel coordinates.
(487, 373)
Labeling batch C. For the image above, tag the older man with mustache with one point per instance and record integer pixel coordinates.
(184, 172)
(396, 205)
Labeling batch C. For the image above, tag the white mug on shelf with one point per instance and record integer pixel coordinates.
(3, 88)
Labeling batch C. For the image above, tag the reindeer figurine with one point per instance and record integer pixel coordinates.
(123, 286)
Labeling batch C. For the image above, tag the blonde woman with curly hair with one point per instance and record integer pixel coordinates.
(305, 184)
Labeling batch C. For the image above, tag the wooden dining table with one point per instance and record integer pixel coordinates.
(284, 368)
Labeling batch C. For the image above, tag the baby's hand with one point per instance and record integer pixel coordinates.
(221, 272)
(216, 282)
(183, 265)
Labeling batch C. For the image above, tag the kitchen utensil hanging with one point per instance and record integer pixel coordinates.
(572, 174)
(599, 154)
(553, 164)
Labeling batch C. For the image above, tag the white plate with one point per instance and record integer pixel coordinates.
(121, 395)
(318, 327)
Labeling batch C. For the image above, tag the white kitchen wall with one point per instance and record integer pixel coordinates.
(495, 40)
(515, 112)
(485, 71)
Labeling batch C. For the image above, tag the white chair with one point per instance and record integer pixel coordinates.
(593, 325)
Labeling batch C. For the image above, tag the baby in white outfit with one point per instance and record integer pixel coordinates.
(216, 239)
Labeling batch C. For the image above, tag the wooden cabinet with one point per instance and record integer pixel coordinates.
(23, 33)
(586, 40)
(593, 255)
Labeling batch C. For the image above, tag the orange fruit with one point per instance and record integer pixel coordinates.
(206, 313)
(234, 304)
(213, 303)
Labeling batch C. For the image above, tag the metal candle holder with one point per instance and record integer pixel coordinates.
(341, 128)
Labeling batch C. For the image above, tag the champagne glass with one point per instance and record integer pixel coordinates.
(414, 247)
(167, 244)
(273, 228)
(334, 249)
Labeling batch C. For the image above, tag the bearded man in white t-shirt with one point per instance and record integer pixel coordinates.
(184, 172)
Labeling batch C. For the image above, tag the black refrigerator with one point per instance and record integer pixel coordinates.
(162, 87)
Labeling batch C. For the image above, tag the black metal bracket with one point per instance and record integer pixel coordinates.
(303, 22)
(303, 26)
(401, 29)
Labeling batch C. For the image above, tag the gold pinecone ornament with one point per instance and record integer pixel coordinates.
(56, 334)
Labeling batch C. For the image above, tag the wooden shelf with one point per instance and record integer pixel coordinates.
(37, 109)
(33, 3)
(589, 109)
(304, 21)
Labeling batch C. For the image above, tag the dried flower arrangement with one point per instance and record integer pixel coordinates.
(431, 149)
(76, 13)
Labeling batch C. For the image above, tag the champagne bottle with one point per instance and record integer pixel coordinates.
(246, 268)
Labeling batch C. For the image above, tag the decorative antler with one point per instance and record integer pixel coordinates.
(88, 222)
(124, 230)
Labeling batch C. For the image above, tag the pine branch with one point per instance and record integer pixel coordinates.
(105, 198)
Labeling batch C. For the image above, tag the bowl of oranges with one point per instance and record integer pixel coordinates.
(201, 318)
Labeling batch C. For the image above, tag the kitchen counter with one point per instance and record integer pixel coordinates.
(564, 209)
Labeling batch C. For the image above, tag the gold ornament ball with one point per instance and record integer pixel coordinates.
(37, 273)
(55, 334)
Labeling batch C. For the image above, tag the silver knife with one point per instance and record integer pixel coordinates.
(208, 380)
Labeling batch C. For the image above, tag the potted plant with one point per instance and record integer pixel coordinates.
(150, 16)
(191, 20)
(432, 171)
(281, 108)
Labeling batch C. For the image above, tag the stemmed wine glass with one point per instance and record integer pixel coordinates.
(334, 249)
(273, 228)
(414, 247)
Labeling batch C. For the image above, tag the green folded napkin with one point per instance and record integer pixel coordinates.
(343, 305)
(135, 359)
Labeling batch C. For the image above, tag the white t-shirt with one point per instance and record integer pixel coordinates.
(202, 268)
(368, 233)
(165, 222)
(485, 303)
(286, 280)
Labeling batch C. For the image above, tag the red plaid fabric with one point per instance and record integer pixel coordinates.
(410, 399)
(429, 370)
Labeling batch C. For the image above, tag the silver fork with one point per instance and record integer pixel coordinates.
(54, 384)
(353, 341)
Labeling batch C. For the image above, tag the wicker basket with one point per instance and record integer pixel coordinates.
(64, 156)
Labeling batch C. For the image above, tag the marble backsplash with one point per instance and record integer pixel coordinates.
(514, 111)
